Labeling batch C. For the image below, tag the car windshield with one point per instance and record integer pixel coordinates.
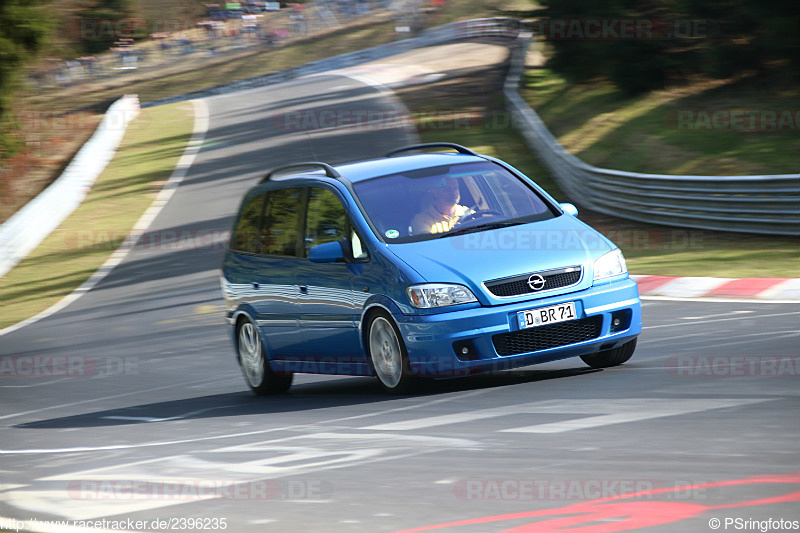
(449, 200)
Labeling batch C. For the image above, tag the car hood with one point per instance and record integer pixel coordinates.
(475, 258)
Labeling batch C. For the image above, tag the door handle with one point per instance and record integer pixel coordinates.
(303, 289)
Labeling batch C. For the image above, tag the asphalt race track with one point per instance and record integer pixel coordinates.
(145, 416)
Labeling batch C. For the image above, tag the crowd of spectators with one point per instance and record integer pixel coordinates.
(226, 28)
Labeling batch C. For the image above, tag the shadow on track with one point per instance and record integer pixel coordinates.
(326, 394)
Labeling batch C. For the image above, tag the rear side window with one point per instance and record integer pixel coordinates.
(281, 233)
(246, 235)
(289, 222)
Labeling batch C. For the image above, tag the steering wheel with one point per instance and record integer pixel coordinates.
(478, 214)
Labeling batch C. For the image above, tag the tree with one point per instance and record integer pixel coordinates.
(748, 35)
(104, 16)
(24, 30)
(720, 38)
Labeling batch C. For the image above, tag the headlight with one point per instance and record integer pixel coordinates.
(610, 264)
(430, 295)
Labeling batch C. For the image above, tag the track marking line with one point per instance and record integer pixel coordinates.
(710, 299)
(610, 411)
(739, 312)
(684, 324)
(778, 334)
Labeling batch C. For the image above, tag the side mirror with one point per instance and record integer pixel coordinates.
(569, 209)
(330, 252)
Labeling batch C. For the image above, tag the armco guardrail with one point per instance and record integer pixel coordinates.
(750, 204)
(21, 233)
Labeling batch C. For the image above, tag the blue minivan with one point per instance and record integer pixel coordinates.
(418, 264)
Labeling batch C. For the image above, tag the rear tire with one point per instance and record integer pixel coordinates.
(613, 357)
(387, 354)
(255, 365)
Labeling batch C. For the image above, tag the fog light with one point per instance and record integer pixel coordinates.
(465, 350)
(620, 320)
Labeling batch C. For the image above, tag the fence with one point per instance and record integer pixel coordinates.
(178, 44)
(29, 226)
(505, 28)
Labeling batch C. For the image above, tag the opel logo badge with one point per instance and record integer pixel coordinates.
(536, 282)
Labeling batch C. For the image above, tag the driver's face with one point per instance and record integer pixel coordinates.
(447, 193)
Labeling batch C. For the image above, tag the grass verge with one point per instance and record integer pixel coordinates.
(146, 157)
(742, 126)
(649, 249)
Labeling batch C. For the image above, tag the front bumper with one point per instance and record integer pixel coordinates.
(433, 341)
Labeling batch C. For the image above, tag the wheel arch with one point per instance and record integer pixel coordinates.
(372, 307)
(239, 316)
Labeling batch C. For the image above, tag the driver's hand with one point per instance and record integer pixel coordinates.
(441, 227)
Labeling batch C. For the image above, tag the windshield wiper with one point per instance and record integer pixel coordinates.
(479, 227)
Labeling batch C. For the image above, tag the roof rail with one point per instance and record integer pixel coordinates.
(329, 170)
(457, 147)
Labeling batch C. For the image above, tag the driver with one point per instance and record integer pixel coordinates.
(442, 210)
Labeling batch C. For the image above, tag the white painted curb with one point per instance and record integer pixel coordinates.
(186, 160)
(29, 226)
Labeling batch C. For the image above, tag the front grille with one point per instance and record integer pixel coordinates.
(544, 337)
(553, 279)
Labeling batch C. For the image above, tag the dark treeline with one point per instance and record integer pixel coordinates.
(642, 45)
(97, 34)
(24, 31)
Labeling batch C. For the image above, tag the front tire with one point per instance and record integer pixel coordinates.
(613, 357)
(255, 366)
(387, 354)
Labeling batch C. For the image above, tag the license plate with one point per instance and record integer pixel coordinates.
(531, 318)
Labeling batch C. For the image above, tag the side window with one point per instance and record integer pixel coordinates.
(326, 218)
(327, 221)
(281, 229)
(245, 235)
